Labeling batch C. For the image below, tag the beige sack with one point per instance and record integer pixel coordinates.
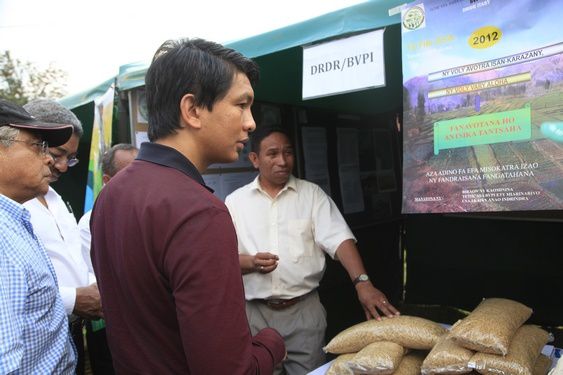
(339, 367)
(447, 357)
(410, 364)
(381, 357)
(523, 353)
(542, 366)
(490, 327)
(408, 331)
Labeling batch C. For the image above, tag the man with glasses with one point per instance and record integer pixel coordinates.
(56, 227)
(34, 338)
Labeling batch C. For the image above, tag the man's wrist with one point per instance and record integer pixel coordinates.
(361, 278)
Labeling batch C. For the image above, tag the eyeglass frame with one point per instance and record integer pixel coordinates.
(43, 145)
(70, 162)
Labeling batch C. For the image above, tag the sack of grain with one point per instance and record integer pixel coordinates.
(490, 327)
(447, 357)
(408, 331)
(523, 352)
(410, 364)
(542, 366)
(381, 357)
(339, 367)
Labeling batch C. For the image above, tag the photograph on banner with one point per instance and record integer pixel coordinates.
(483, 106)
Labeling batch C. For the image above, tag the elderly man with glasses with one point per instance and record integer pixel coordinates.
(55, 225)
(34, 337)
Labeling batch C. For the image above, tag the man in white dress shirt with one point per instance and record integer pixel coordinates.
(284, 226)
(56, 227)
(115, 159)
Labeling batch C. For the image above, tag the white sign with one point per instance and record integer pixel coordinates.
(344, 65)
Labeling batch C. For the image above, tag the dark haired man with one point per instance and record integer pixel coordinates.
(34, 336)
(163, 246)
(284, 226)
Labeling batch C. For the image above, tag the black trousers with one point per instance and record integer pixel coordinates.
(75, 328)
(98, 351)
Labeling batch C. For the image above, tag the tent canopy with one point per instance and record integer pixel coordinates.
(279, 55)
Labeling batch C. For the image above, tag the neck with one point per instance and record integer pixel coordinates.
(187, 147)
(41, 198)
(271, 189)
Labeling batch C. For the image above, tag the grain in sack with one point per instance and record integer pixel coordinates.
(490, 327)
(408, 331)
(523, 353)
(381, 357)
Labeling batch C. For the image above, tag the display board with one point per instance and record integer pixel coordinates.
(354, 159)
(483, 106)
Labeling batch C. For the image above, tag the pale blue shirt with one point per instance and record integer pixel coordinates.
(34, 333)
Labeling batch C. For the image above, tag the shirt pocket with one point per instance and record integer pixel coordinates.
(301, 243)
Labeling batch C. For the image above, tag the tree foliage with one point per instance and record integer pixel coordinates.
(21, 81)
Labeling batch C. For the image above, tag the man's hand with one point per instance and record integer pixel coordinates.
(372, 299)
(265, 262)
(88, 304)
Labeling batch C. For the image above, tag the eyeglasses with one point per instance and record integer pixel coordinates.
(70, 161)
(42, 146)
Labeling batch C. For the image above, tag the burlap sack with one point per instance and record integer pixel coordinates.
(408, 331)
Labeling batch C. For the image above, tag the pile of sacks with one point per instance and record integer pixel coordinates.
(492, 339)
(389, 346)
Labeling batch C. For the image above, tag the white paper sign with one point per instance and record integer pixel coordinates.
(344, 65)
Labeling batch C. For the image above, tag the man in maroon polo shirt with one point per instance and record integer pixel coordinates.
(164, 248)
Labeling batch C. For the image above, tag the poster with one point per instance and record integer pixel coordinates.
(483, 105)
(101, 141)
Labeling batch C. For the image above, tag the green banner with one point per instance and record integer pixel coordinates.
(515, 125)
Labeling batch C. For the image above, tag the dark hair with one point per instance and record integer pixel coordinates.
(202, 68)
(108, 166)
(260, 133)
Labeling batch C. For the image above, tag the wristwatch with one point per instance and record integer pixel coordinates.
(361, 278)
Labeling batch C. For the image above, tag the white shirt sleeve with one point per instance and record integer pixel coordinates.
(68, 295)
(85, 239)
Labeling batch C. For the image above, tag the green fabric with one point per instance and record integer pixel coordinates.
(86, 96)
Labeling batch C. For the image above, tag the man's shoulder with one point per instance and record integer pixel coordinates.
(304, 185)
(85, 219)
(241, 191)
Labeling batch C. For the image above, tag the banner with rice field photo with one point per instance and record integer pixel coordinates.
(483, 105)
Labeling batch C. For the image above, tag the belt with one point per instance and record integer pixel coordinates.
(280, 304)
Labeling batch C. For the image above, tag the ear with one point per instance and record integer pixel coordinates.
(105, 178)
(253, 157)
(189, 112)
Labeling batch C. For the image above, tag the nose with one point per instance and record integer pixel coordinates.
(249, 123)
(61, 164)
(282, 160)
(49, 159)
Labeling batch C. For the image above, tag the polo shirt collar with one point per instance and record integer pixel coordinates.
(291, 184)
(170, 157)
